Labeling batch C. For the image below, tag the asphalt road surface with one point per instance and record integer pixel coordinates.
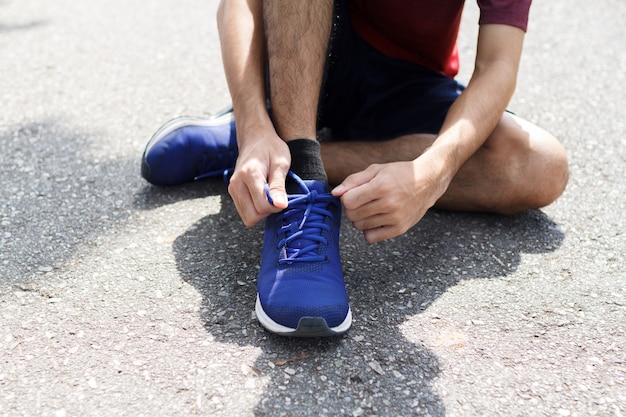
(122, 299)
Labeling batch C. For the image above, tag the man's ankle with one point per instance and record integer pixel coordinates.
(306, 160)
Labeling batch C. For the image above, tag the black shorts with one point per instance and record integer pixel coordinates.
(369, 96)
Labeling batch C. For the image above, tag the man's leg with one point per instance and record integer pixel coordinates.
(520, 167)
(301, 290)
(298, 33)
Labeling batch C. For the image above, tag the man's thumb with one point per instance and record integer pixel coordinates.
(353, 181)
(277, 191)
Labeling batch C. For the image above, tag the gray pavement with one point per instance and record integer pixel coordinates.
(121, 299)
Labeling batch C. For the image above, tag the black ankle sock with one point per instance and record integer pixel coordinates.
(306, 160)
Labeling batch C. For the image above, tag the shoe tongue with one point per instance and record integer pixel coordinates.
(318, 186)
(294, 188)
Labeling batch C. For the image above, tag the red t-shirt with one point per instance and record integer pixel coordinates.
(425, 31)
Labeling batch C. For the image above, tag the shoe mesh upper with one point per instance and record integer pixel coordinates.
(190, 149)
(301, 272)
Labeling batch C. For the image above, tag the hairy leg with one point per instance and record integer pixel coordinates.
(520, 167)
(298, 34)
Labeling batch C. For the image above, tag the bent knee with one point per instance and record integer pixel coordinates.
(536, 170)
(541, 181)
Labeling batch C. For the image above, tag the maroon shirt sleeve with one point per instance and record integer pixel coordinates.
(505, 12)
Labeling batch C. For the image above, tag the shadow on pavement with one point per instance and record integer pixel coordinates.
(4, 28)
(57, 194)
(374, 369)
(33, 24)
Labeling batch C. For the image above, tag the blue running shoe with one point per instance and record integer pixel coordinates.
(188, 148)
(301, 291)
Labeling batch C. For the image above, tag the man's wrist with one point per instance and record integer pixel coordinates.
(251, 126)
(438, 166)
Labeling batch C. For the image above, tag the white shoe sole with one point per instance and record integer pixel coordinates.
(307, 326)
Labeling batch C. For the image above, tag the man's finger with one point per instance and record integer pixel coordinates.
(379, 234)
(354, 180)
(245, 206)
(276, 185)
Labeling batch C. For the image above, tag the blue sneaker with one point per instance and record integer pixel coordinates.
(301, 291)
(190, 148)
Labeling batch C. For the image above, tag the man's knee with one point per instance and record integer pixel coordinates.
(556, 171)
(534, 165)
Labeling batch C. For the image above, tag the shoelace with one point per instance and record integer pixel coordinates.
(304, 221)
(208, 162)
(308, 228)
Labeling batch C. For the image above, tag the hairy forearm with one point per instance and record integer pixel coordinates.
(240, 25)
(472, 118)
(477, 111)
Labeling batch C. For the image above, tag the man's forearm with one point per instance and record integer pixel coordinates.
(470, 121)
(477, 111)
(240, 24)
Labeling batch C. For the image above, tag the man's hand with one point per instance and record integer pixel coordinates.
(385, 201)
(264, 160)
